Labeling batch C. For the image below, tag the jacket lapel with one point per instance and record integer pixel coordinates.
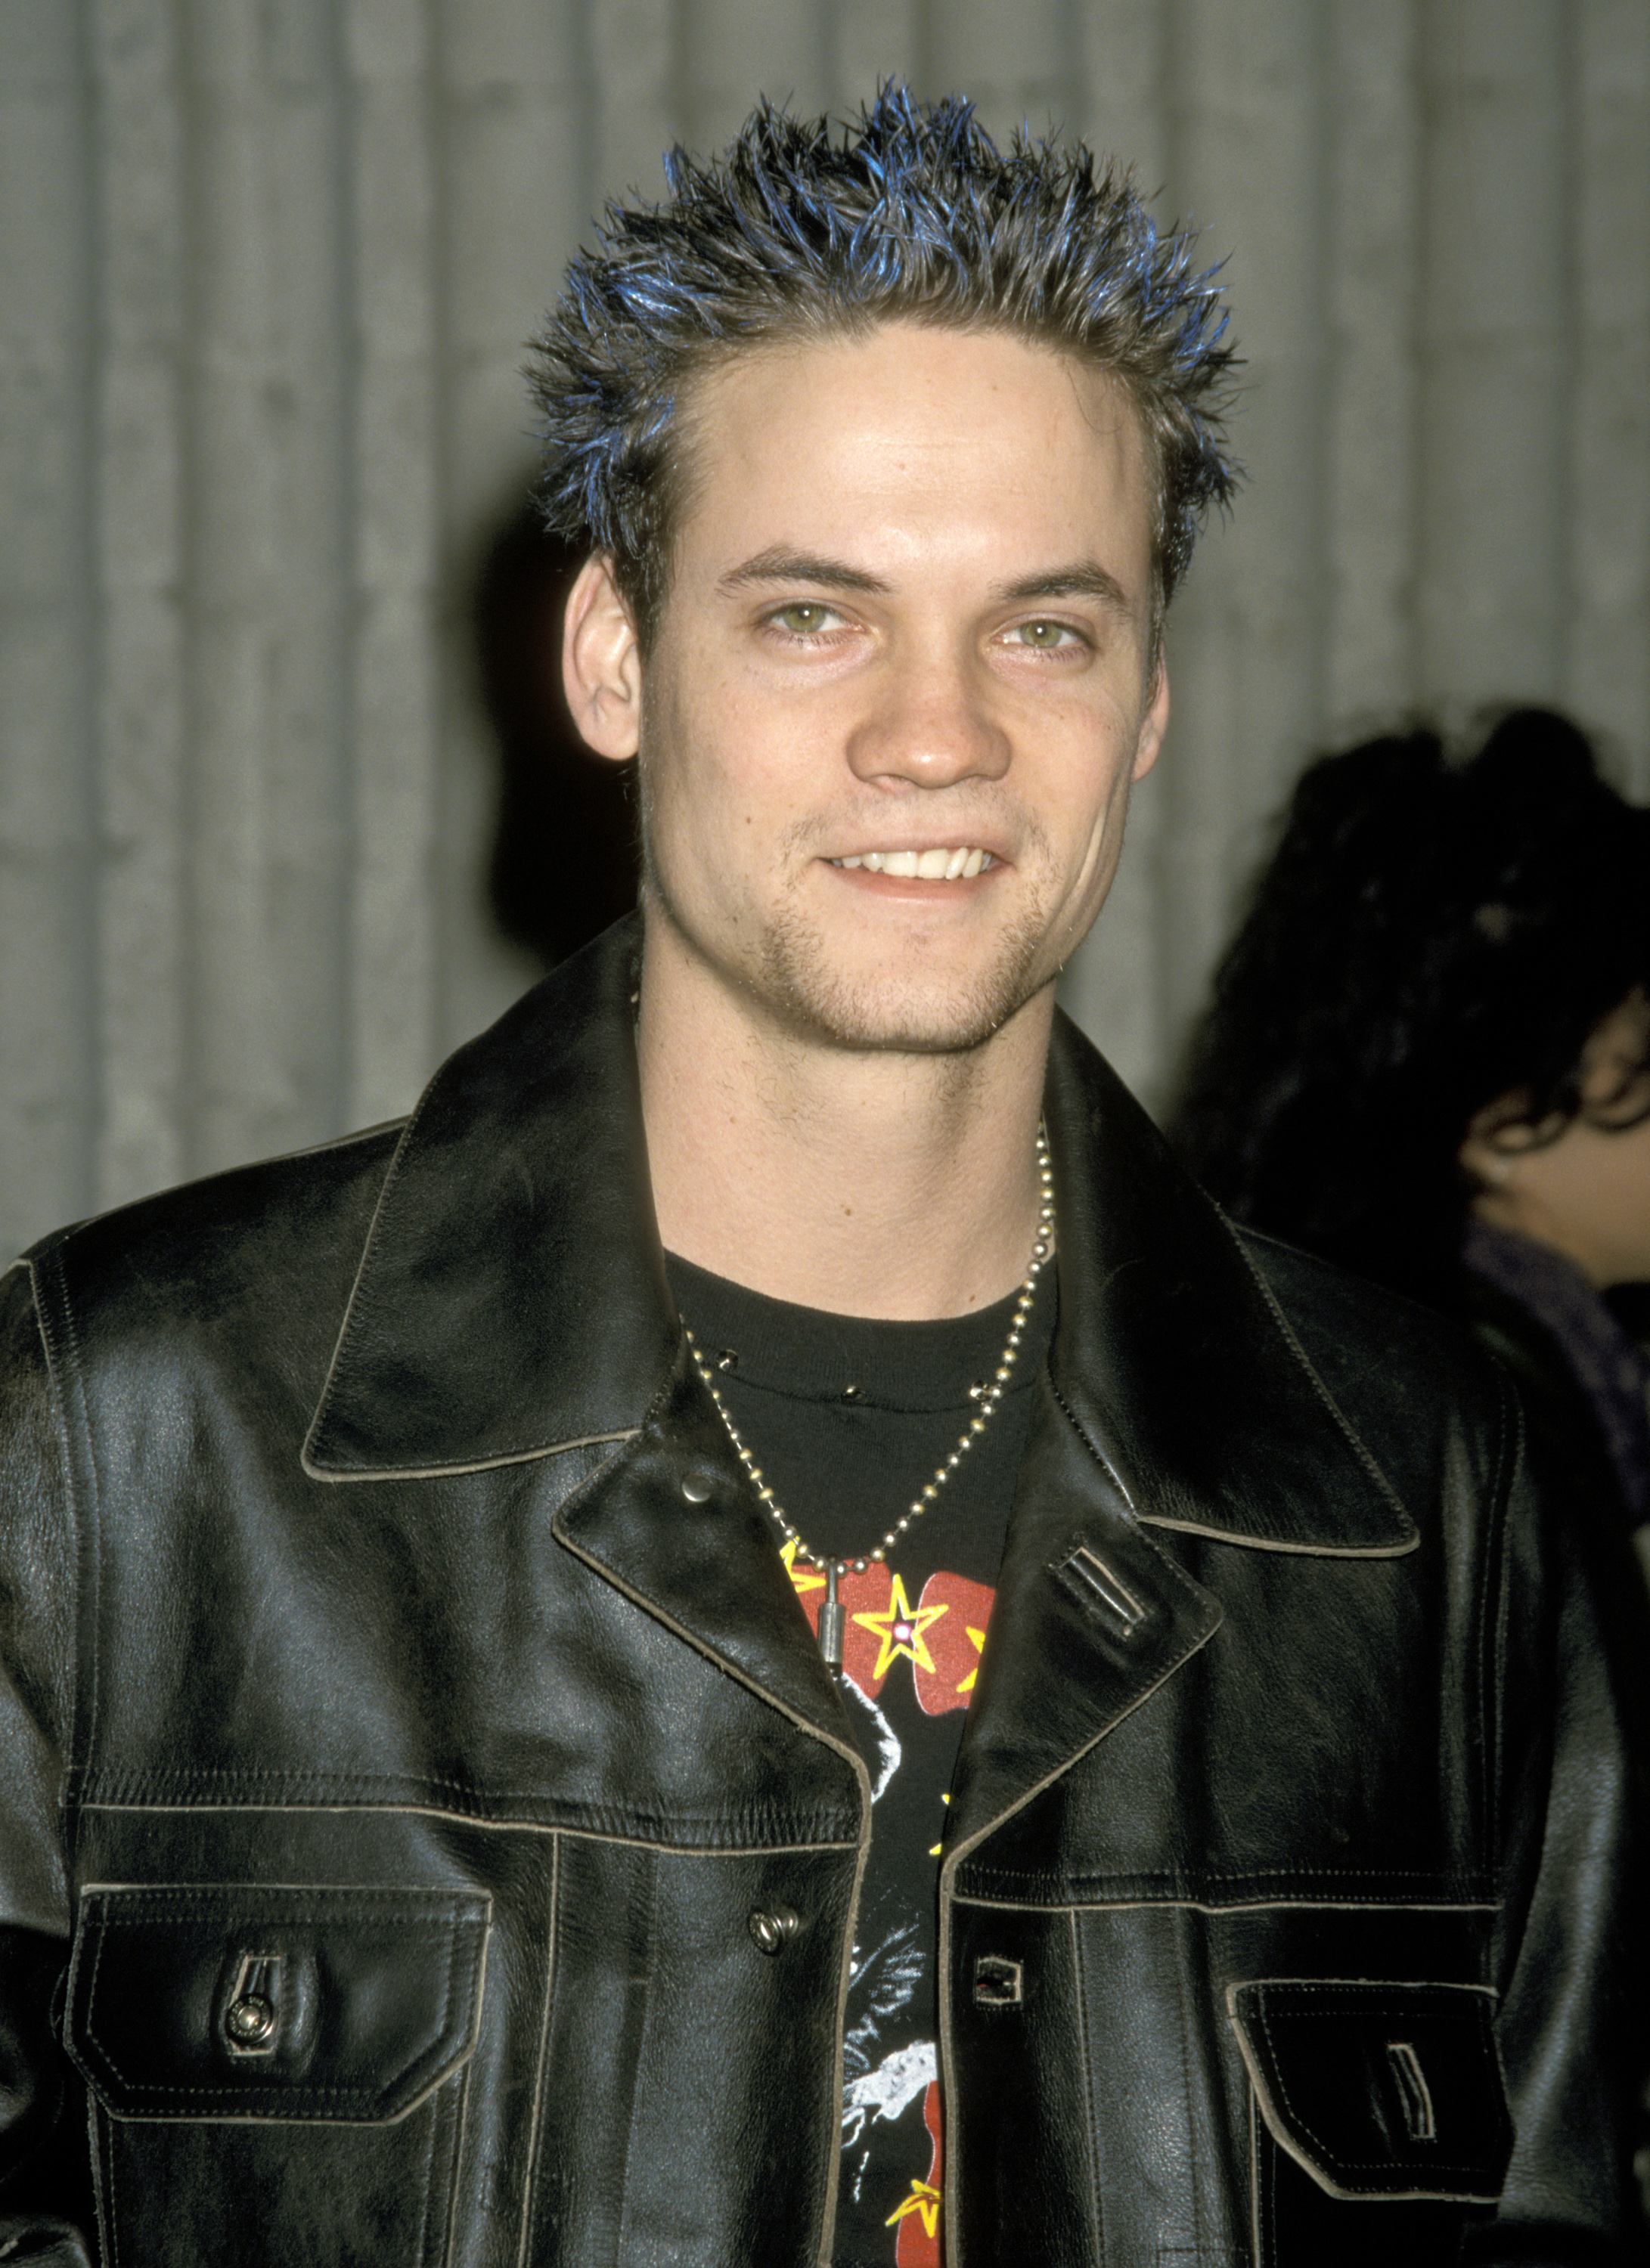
(1091, 1614)
(705, 1563)
(512, 1299)
(1177, 1365)
(1176, 1399)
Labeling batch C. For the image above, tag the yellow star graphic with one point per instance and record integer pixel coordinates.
(978, 1637)
(934, 1849)
(901, 1616)
(924, 2199)
(804, 1579)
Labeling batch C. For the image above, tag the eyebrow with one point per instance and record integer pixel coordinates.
(1082, 579)
(779, 565)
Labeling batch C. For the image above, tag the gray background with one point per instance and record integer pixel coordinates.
(265, 268)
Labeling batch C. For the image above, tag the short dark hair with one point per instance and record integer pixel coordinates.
(911, 213)
(1433, 934)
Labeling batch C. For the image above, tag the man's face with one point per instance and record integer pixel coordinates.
(907, 628)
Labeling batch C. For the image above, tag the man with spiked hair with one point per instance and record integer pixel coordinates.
(759, 1639)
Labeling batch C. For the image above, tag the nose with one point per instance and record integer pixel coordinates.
(929, 724)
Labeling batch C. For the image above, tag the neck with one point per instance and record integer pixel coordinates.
(864, 1183)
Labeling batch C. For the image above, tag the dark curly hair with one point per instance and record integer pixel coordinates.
(913, 213)
(1430, 936)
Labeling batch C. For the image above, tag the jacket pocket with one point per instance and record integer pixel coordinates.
(277, 2072)
(1379, 2121)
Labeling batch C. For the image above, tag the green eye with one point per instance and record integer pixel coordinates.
(1041, 634)
(803, 616)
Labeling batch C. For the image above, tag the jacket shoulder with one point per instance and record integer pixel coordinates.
(280, 1239)
(1401, 1373)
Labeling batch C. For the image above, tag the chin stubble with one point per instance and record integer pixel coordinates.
(897, 1015)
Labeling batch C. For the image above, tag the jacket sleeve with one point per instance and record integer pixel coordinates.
(45, 2176)
(1568, 1656)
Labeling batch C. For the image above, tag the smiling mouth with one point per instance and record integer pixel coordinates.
(938, 864)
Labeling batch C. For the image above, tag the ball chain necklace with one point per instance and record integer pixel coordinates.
(988, 1395)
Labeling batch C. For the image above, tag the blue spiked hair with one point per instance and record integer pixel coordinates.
(913, 214)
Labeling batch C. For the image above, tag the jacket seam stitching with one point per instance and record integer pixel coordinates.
(1184, 1957)
(535, 2137)
(458, 2111)
(510, 1824)
(648, 2008)
(421, 2250)
(469, 1804)
(1495, 1604)
(108, 2138)
(1091, 2123)
(1060, 1900)
(65, 1371)
(323, 1407)
(1354, 1440)
(456, 1468)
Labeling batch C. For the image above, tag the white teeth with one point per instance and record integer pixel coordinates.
(934, 866)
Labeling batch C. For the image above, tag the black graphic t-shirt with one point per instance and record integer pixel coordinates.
(848, 1419)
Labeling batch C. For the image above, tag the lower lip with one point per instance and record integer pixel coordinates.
(922, 886)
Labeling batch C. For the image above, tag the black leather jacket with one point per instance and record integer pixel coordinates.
(410, 1759)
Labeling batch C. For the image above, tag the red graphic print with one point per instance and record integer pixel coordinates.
(954, 1642)
(941, 1636)
(918, 2218)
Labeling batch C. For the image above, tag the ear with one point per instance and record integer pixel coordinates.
(1490, 1167)
(601, 663)
(1154, 724)
(1499, 1198)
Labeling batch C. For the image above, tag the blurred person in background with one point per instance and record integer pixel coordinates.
(1428, 1057)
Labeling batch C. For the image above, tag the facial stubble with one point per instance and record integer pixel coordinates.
(790, 971)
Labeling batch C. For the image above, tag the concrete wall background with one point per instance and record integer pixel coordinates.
(265, 268)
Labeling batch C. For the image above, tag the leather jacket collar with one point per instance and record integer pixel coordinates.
(512, 1299)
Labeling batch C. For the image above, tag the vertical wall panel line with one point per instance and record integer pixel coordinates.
(1492, 537)
(1369, 381)
(81, 945)
(191, 926)
(48, 1097)
(81, 953)
(396, 422)
(142, 757)
(1570, 316)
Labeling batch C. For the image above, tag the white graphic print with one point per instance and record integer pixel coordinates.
(883, 2093)
(888, 1749)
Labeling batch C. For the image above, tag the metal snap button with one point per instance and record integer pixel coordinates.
(250, 2021)
(697, 1488)
(770, 1930)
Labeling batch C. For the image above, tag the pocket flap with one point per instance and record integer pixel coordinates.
(1379, 2090)
(235, 2000)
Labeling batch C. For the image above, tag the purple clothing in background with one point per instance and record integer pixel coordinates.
(1609, 1367)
